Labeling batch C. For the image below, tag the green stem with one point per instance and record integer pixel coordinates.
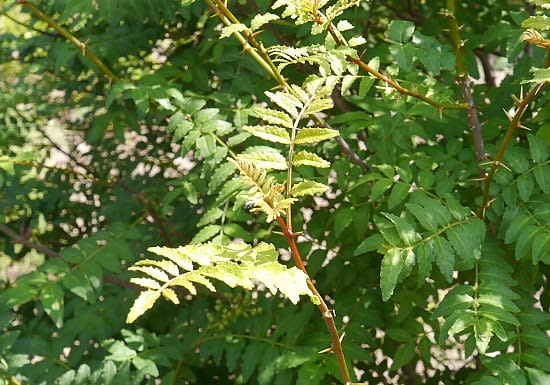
(258, 52)
(510, 134)
(71, 38)
(221, 142)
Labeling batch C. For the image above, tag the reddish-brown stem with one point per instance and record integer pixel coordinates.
(326, 313)
(405, 91)
(463, 79)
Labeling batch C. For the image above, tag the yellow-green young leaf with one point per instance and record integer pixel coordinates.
(170, 295)
(314, 135)
(274, 134)
(147, 283)
(144, 302)
(266, 159)
(318, 105)
(286, 101)
(6, 164)
(231, 29)
(259, 20)
(206, 233)
(183, 281)
(174, 255)
(166, 265)
(194, 276)
(308, 188)
(305, 158)
(151, 271)
(271, 116)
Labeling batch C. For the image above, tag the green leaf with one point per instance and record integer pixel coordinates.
(18, 295)
(209, 216)
(314, 135)
(444, 253)
(305, 158)
(250, 359)
(457, 322)
(464, 242)
(79, 284)
(541, 245)
(343, 218)
(431, 59)
(538, 377)
(274, 134)
(308, 188)
(507, 370)
(400, 30)
(140, 96)
(318, 105)
(403, 355)
(399, 335)
(526, 184)
(310, 374)
(371, 243)
(404, 229)
(425, 257)
(365, 85)
(459, 298)
(498, 314)
(220, 175)
(538, 148)
(379, 187)
(404, 55)
(488, 381)
(392, 264)
(51, 297)
(398, 194)
(540, 23)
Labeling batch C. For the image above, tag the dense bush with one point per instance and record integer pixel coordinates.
(398, 149)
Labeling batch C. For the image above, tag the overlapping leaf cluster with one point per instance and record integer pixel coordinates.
(236, 264)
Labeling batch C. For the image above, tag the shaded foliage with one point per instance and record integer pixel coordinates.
(356, 121)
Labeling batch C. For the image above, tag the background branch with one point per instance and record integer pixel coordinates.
(53, 254)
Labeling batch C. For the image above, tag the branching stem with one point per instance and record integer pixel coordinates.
(71, 38)
(510, 133)
(405, 91)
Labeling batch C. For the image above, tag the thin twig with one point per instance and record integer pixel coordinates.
(510, 132)
(405, 91)
(463, 79)
(72, 39)
(26, 242)
(52, 254)
(138, 195)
